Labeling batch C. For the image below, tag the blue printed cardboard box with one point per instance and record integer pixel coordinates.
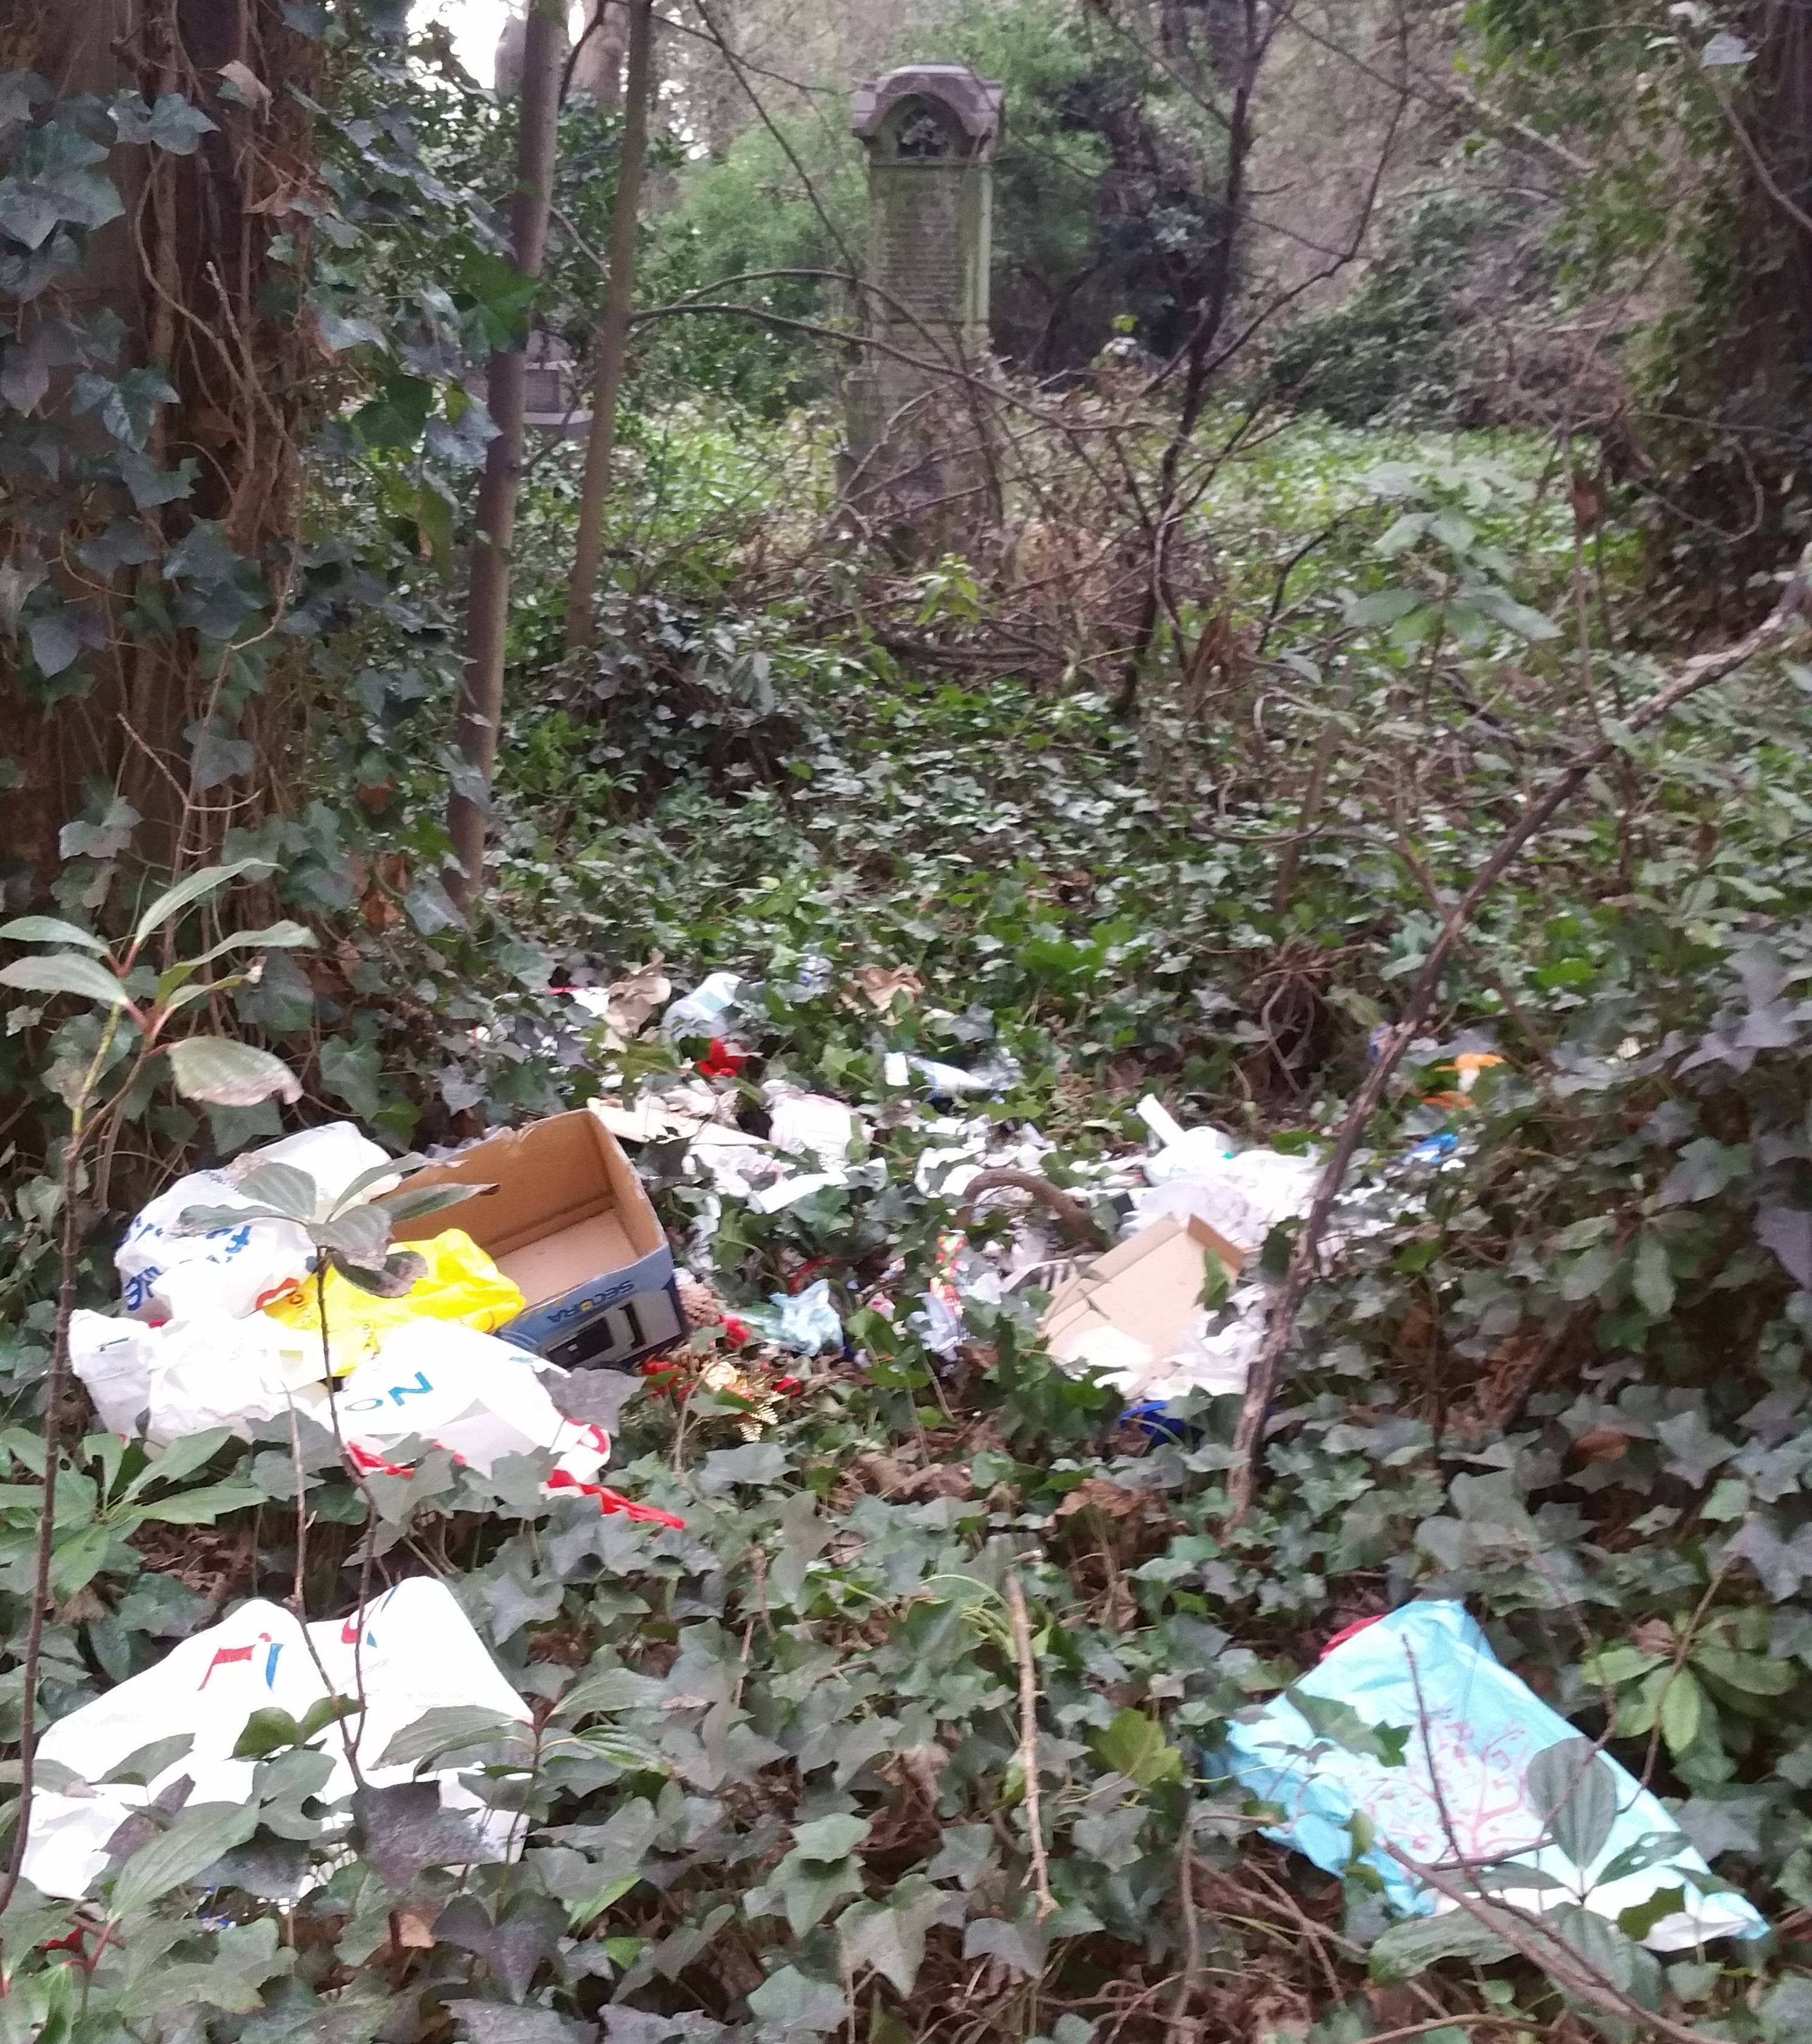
(567, 1218)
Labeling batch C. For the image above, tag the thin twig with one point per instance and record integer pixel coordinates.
(1028, 1743)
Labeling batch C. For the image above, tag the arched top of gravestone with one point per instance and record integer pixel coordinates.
(925, 111)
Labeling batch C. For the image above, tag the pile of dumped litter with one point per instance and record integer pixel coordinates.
(256, 1294)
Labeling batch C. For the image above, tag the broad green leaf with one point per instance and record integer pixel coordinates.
(1683, 1712)
(197, 1839)
(65, 972)
(414, 1202)
(454, 1728)
(229, 1073)
(267, 1732)
(284, 1188)
(145, 1763)
(208, 880)
(1646, 1852)
(203, 1507)
(48, 930)
(1411, 1947)
(1573, 1787)
(180, 1458)
(1755, 1674)
(1618, 1665)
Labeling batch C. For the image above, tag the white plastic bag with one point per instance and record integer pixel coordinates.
(1241, 1194)
(187, 1376)
(233, 1270)
(466, 1391)
(418, 1652)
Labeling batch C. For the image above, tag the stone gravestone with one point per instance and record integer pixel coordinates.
(918, 460)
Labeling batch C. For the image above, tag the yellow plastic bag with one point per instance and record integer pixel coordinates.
(462, 1284)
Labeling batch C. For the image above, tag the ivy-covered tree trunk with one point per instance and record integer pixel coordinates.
(150, 392)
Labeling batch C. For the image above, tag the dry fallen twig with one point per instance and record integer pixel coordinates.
(1029, 1743)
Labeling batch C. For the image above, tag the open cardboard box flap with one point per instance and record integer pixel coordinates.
(567, 1207)
(1148, 1288)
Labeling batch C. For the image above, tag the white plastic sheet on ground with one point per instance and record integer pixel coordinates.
(185, 1377)
(1462, 1796)
(418, 1653)
(479, 1397)
(230, 1271)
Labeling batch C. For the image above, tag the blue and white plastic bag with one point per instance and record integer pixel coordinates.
(1460, 1799)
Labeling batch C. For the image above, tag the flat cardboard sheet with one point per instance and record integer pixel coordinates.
(1148, 1288)
(567, 1206)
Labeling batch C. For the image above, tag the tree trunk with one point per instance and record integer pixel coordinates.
(598, 62)
(612, 329)
(487, 610)
(184, 273)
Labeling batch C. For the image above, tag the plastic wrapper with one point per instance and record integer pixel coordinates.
(480, 1398)
(804, 1321)
(188, 1376)
(415, 1651)
(1462, 1797)
(233, 1270)
(701, 1012)
(462, 1284)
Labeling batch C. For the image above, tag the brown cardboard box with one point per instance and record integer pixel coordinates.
(1148, 1288)
(569, 1221)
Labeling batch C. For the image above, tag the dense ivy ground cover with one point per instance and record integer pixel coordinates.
(778, 1788)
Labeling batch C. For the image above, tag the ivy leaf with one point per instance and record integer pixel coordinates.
(1023, 1946)
(829, 1837)
(229, 1073)
(1694, 1450)
(56, 643)
(431, 909)
(889, 1936)
(789, 2000)
(349, 1072)
(172, 124)
(1576, 1792)
(54, 179)
(405, 1829)
(1329, 1719)
(1134, 1745)
(218, 757)
(1787, 1231)
(1652, 1281)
